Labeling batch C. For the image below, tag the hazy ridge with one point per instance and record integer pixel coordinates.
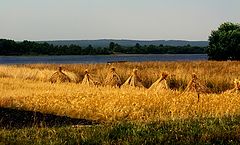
(125, 42)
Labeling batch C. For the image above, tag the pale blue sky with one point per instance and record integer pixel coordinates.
(117, 19)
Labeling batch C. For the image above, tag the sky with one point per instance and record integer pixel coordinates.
(114, 19)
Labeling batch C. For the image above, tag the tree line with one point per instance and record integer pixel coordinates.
(10, 47)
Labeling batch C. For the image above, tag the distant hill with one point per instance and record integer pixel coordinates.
(105, 42)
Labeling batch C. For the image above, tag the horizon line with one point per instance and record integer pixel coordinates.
(115, 39)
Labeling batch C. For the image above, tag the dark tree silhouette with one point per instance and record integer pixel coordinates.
(224, 43)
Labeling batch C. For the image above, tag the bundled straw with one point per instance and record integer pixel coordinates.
(195, 86)
(59, 77)
(236, 88)
(160, 84)
(88, 79)
(134, 80)
(113, 79)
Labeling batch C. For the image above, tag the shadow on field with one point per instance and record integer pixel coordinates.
(14, 118)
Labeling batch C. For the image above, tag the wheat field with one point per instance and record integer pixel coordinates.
(27, 87)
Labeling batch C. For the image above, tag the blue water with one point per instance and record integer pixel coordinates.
(66, 59)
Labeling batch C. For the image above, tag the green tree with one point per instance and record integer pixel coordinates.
(224, 43)
(111, 46)
(117, 48)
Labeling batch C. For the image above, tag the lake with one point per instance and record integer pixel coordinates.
(86, 59)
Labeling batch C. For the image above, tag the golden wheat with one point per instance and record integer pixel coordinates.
(110, 104)
(208, 71)
(22, 87)
(29, 73)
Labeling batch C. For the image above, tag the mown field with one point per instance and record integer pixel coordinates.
(125, 115)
